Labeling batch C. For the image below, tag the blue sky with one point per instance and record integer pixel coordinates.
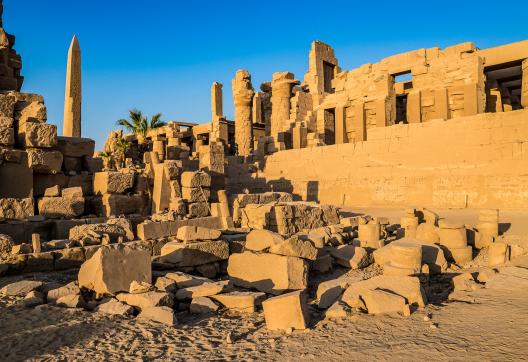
(163, 55)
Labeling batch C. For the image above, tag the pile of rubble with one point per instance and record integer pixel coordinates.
(198, 266)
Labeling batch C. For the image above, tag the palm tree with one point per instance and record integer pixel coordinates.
(139, 124)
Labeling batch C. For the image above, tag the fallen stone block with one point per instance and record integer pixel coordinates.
(210, 270)
(267, 273)
(112, 182)
(71, 288)
(195, 194)
(53, 191)
(329, 292)
(184, 280)
(197, 210)
(7, 136)
(21, 249)
(202, 305)
(428, 233)
(194, 254)
(296, 247)
(61, 207)
(194, 233)
(486, 275)
(6, 245)
(323, 263)
(34, 134)
(498, 254)
(166, 285)
(405, 286)
(20, 288)
(245, 302)
(125, 224)
(260, 240)
(115, 307)
(96, 232)
(71, 301)
(16, 209)
(286, 311)
(383, 302)
(338, 310)
(75, 146)
(350, 256)
(140, 287)
(112, 269)
(33, 298)
(164, 315)
(463, 282)
(203, 290)
(146, 300)
(47, 162)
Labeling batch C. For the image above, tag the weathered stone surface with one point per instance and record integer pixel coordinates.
(380, 301)
(33, 298)
(463, 282)
(295, 246)
(407, 287)
(111, 269)
(72, 192)
(194, 254)
(350, 256)
(96, 232)
(195, 179)
(71, 288)
(7, 136)
(202, 305)
(198, 210)
(21, 249)
(6, 244)
(245, 302)
(146, 300)
(155, 230)
(338, 310)
(75, 146)
(193, 233)
(498, 254)
(42, 161)
(68, 258)
(33, 134)
(125, 224)
(113, 306)
(195, 194)
(203, 290)
(259, 240)
(140, 287)
(112, 182)
(268, 273)
(166, 285)
(53, 191)
(20, 288)
(61, 207)
(286, 311)
(164, 315)
(16, 209)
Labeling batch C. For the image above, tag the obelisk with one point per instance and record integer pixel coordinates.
(72, 99)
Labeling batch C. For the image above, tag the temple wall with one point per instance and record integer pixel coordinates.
(476, 161)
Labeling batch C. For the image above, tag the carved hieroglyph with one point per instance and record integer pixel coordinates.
(72, 99)
(243, 97)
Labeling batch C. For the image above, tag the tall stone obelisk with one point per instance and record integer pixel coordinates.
(72, 99)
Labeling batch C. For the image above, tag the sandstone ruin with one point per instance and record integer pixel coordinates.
(259, 215)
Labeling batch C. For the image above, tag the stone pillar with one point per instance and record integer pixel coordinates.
(360, 122)
(281, 89)
(414, 107)
(243, 96)
(441, 103)
(216, 110)
(524, 87)
(72, 98)
(158, 146)
(470, 99)
(257, 108)
(340, 126)
(381, 113)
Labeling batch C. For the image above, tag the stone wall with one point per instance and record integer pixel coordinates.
(476, 161)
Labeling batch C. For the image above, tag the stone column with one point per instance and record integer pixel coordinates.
(216, 110)
(281, 89)
(243, 96)
(72, 99)
(524, 87)
(257, 108)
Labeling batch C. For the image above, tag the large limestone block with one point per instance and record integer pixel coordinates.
(294, 246)
(194, 233)
(184, 280)
(405, 286)
(194, 254)
(16, 209)
(61, 207)
(245, 302)
(259, 240)
(382, 302)
(195, 179)
(33, 134)
(198, 210)
(268, 273)
(452, 235)
(286, 311)
(164, 315)
(112, 182)
(75, 146)
(115, 204)
(195, 194)
(350, 256)
(113, 306)
(146, 300)
(112, 269)
(6, 244)
(42, 161)
(96, 231)
(71, 288)
(203, 305)
(20, 288)
(498, 254)
(7, 136)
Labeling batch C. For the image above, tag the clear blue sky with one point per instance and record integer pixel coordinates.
(162, 55)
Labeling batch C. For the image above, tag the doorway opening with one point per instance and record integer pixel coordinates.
(503, 87)
(329, 126)
(328, 76)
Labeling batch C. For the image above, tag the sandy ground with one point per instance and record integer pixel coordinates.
(484, 325)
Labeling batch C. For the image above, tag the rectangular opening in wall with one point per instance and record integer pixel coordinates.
(328, 76)
(401, 108)
(403, 83)
(329, 123)
(504, 87)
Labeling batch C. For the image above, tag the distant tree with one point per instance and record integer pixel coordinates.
(139, 124)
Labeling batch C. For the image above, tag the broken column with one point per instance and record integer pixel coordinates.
(218, 130)
(72, 99)
(488, 228)
(243, 96)
(281, 92)
(453, 237)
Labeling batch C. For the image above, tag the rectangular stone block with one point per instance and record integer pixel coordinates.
(75, 146)
(195, 179)
(198, 210)
(112, 182)
(267, 273)
(195, 194)
(7, 136)
(61, 207)
(33, 134)
(43, 161)
(287, 311)
(183, 254)
(161, 229)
